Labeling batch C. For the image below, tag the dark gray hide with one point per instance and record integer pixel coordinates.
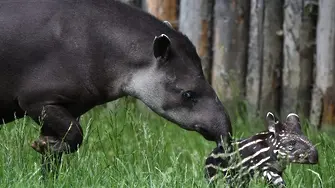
(61, 58)
(265, 153)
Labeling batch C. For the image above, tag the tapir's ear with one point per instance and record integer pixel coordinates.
(168, 24)
(162, 46)
(271, 121)
(293, 122)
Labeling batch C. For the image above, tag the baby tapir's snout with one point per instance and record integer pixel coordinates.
(313, 156)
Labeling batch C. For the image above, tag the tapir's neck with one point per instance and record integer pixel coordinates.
(128, 47)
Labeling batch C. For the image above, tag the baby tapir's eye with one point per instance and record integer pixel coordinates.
(189, 95)
(290, 147)
(292, 143)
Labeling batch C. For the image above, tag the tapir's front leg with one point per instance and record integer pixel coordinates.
(60, 133)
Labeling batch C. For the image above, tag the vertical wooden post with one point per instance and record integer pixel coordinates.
(195, 21)
(265, 55)
(255, 54)
(272, 56)
(165, 10)
(231, 23)
(323, 105)
(298, 59)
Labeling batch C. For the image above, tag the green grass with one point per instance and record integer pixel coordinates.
(134, 148)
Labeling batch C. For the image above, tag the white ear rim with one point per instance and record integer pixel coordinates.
(270, 116)
(162, 35)
(269, 113)
(168, 23)
(292, 114)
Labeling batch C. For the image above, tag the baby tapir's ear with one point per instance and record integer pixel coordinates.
(293, 122)
(161, 46)
(271, 121)
(270, 117)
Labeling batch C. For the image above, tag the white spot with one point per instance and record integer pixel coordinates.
(278, 181)
(273, 174)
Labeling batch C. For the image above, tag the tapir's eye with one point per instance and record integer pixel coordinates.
(189, 95)
(291, 145)
(290, 148)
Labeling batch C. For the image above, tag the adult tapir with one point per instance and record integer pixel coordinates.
(60, 58)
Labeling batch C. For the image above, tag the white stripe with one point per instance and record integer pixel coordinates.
(258, 164)
(224, 155)
(244, 160)
(273, 174)
(281, 153)
(244, 140)
(278, 180)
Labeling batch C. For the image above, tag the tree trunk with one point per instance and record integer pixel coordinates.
(165, 10)
(272, 56)
(298, 59)
(195, 21)
(231, 24)
(255, 51)
(265, 55)
(323, 109)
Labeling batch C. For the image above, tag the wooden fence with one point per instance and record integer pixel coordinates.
(277, 55)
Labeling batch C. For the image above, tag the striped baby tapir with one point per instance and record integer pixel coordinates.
(264, 154)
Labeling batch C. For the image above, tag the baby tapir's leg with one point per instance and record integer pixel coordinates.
(215, 161)
(274, 178)
(212, 162)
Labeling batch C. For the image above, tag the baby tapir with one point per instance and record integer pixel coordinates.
(264, 154)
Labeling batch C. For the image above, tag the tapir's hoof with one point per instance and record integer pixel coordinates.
(39, 145)
(49, 144)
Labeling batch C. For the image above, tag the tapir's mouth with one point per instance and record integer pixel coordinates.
(306, 159)
(204, 132)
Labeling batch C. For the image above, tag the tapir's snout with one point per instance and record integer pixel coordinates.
(215, 122)
(313, 157)
(218, 133)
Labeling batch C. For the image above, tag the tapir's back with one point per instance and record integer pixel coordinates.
(28, 33)
(44, 46)
(59, 32)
